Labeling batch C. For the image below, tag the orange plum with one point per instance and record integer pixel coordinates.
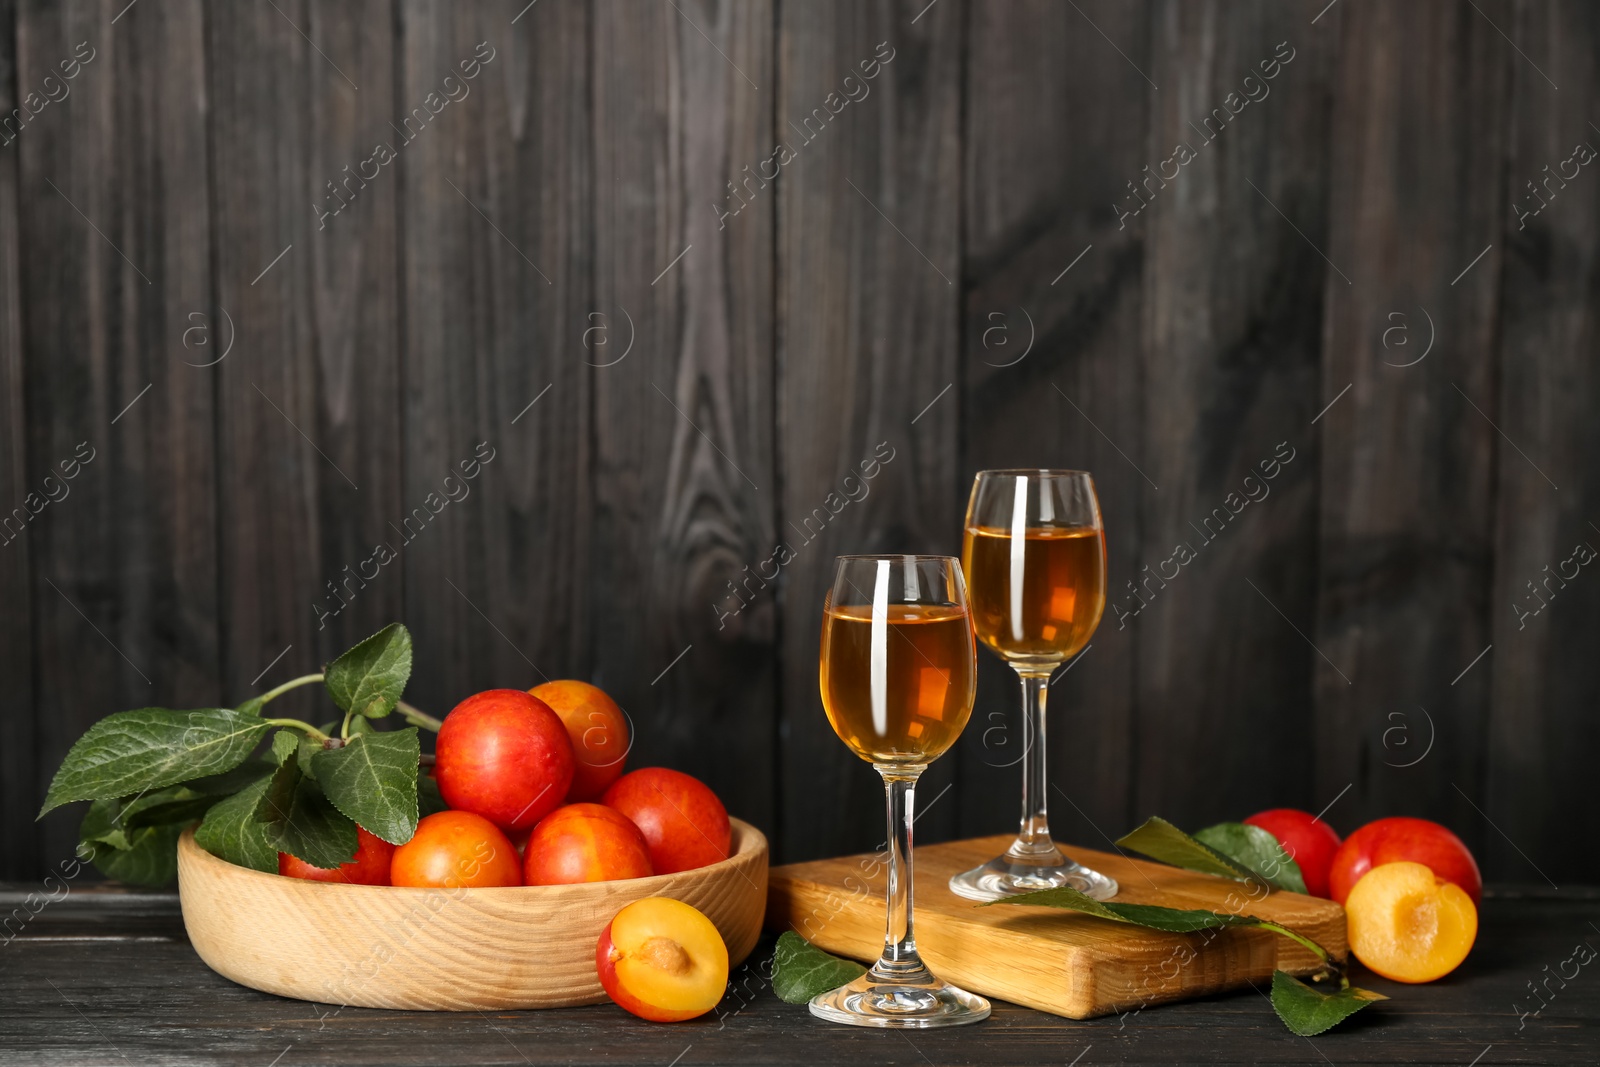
(1408, 924)
(681, 818)
(456, 849)
(662, 960)
(599, 733)
(585, 843)
(504, 755)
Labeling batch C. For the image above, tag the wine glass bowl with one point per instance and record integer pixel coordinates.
(1035, 560)
(898, 674)
(917, 709)
(1064, 594)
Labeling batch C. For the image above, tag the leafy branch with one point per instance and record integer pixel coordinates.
(1305, 1009)
(151, 772)
(1243, 853)
(1228, 849)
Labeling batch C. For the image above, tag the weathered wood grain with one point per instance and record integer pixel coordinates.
(867, 371)
(19, 789)
(116, 239)
(1234, 290)
(510, 948)
(821, 306)
(1040, 177)
(685, 480)
(1406, 509)
(308, 403)
(1544, 601)
(121, 1001)
(497, 284)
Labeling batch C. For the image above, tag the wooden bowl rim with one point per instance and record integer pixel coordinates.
(748, 841)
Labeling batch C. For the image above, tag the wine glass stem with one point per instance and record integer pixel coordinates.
(899, 960)
(1033, 835)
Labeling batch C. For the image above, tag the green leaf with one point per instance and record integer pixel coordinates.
(1309, 1011)
(369, 678)
(115, 822)
(176, 804)
(300, 821)
(307, 748)
(801, 970)
(133, 751)
(429, 799)
(285, 743)
(1172, 920)
(231, 831)
(151, 858)
(1256, 849)
(1304, 1009)
(228, 783)
(1160, 840)
(102, 825)
(372, 778)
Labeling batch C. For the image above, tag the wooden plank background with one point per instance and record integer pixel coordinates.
(682, 268)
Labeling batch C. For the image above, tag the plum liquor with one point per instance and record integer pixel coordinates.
(898, 683)
(1034, 553)
(1038, 597)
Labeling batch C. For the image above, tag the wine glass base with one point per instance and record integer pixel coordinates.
(904, 1004)
(1005, 877)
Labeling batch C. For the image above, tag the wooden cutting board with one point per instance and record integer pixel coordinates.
(1046, 958)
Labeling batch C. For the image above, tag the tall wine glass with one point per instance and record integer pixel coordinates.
(898, 674)
(1034, 553)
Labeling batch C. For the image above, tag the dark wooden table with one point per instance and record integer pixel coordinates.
(102, 976)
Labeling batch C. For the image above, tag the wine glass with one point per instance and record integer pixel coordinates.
(898, 674)
(1034, 553)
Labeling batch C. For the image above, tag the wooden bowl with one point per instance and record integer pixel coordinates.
(444, 949)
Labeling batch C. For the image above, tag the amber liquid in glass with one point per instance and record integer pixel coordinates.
(1040, 602)
(898, 690)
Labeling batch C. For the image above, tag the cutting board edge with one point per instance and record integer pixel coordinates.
(1078, 999)
(1078, 979)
